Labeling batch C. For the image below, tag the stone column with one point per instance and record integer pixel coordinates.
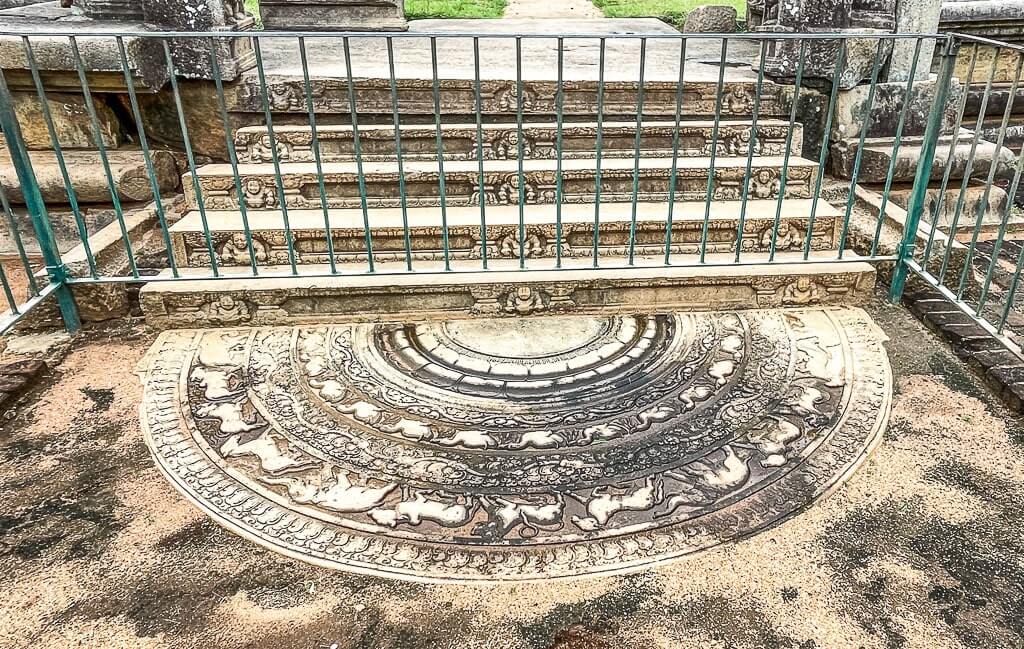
(914, 17)
(339, 15)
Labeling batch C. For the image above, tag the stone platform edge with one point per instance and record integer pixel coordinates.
(244, 300)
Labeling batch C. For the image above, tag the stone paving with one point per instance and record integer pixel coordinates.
(549, 9)
(921, 547)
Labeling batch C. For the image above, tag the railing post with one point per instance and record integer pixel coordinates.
(919, 193)
(56, 271)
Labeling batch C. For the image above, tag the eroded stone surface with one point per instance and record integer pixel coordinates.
(480, 450)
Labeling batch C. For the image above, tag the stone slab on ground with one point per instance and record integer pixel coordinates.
(547, 9)
(333, 15)
(494, 451)
(274, 297)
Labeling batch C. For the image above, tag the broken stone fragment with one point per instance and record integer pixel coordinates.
(88, 177)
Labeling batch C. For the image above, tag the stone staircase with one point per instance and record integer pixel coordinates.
(483, 167)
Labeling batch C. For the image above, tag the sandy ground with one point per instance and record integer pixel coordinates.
(924, 547)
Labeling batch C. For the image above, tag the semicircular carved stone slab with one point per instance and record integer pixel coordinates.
(515, 449)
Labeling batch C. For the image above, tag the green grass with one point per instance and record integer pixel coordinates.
(454, 8)
(671, 11)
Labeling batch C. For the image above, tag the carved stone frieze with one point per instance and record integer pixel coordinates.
(501, 184)
(354, 297)
(309, 244)
(502, 141)
(544, 447)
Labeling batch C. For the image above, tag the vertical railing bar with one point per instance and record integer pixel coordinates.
(402, 198)
(823, 157)
(919, 194)
(19, 244)
(275, 158)
(1011, 294)
(558, 154)
(636, 149)
(520, 152)
(1014, 185)
(146, 157)
(895, 151)
(784, 176)
(993, 166)
(968, 170)
(751, 147)
(860, 149)
(12, 303)
(948, 170)
(440, 154)
(317, 158)
(599, 144)
(229, 142)
(83, 231)
(101, 150)
(357, 149)
(714, 152)
(200, 203)
(480, 151)
(56, 271)
(674, 174)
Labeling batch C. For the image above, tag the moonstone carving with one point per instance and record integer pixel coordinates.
(538, 447)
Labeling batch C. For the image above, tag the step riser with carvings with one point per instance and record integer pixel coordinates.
(503, 241)
(500, 185)
(501, 141)
(360, 297)
(498, 97)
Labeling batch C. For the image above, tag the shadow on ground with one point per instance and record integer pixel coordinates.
(924, 547)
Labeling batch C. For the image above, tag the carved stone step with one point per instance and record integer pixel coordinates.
(309, 238)
(431, 293)
(500, 182)
(501, 141)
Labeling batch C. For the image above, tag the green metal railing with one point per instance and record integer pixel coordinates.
(508, 87)
(980, 254)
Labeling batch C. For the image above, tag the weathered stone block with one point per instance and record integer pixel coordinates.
(1003, 63)
(973, 205)
(710, 19)
(852, 111)
(100, 56)
(877, 156)
(340, 15)
(88, 177)
(71, 121)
